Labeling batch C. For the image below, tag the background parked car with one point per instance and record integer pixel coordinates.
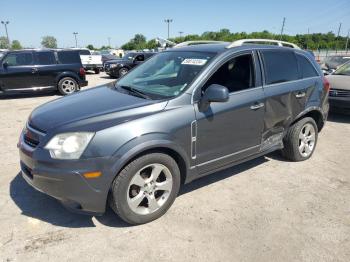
(108, 57)
(339, 94)
(91, 61)
(32, 70)
(331, 63)
(120, 67)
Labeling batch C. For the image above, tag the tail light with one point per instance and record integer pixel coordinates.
(82, 71)
(326, 84)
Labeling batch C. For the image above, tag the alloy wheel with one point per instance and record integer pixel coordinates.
(307, 138)
(68, 86)
(149, 189)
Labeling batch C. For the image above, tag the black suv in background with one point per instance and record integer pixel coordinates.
(119, 67)
(46, 69)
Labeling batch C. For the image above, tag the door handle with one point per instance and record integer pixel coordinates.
(300, 94)
(34, 70)
(256, 106)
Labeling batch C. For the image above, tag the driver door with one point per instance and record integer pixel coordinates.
(230, 131)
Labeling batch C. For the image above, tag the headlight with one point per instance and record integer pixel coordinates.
(113, 65)
(69, 145)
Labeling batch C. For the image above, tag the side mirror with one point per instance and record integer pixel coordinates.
(214, 93)
(5, 65)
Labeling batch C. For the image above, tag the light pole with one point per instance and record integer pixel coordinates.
(168, 21)
(75, 36)
(5, 23)
(180, 33)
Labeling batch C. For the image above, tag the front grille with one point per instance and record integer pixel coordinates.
(339, 92)
(31, 135)
(30, 141)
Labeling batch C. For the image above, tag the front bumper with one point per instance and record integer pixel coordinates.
(64, 180)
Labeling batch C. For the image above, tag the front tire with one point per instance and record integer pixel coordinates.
(97, 71)
(67, 86)
(123, 71)
(146, 188)
(300, 140)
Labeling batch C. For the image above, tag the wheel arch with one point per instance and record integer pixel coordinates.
(67, 74)
(314, 113)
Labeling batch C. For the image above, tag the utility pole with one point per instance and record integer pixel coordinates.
(109, 42)
(180, 33)
(336, 41)
(75, 36)
(168, 21)
(284, 21)
(347, 42)
(5, 23)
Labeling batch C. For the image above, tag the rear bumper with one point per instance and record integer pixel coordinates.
(93, 66)
(83, 83)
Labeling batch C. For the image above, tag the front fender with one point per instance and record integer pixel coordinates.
(144, 143)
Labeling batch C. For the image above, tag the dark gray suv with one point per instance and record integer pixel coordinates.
(183, 114)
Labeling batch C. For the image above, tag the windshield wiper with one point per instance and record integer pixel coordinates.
(136, 92)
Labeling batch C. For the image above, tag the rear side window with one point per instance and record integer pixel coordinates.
(68, 57)
(305, 67)
(280, 66)
(19, 59)
(45, 58)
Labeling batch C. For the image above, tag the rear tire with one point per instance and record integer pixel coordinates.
(300, 140)
(145, 189)
(67, 86)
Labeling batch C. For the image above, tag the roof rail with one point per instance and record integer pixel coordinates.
(198, 42)
(262, 41)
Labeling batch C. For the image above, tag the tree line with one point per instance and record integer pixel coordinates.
(315, 41)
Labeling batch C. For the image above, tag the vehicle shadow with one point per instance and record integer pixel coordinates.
(339, 118)
(221, 175)
(29, 95)
(45, 208)
(40, 206)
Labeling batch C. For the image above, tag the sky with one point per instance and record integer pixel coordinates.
(96, 21)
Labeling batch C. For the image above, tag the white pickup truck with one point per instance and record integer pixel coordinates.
(90, 61)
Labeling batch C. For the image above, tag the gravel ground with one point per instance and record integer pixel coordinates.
(267, 209)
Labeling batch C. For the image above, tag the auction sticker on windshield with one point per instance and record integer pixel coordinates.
(194, 61)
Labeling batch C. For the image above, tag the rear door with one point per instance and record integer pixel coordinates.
(47, 69)
(287, 92)
(20, 71)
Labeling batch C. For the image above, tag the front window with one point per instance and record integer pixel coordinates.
(19, 59)
(166, 74)
(343, 70)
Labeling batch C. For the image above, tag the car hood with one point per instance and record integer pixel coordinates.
(92, 110)
(339, 81)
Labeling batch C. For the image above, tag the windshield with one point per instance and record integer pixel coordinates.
(166, 74)
(343, 70)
